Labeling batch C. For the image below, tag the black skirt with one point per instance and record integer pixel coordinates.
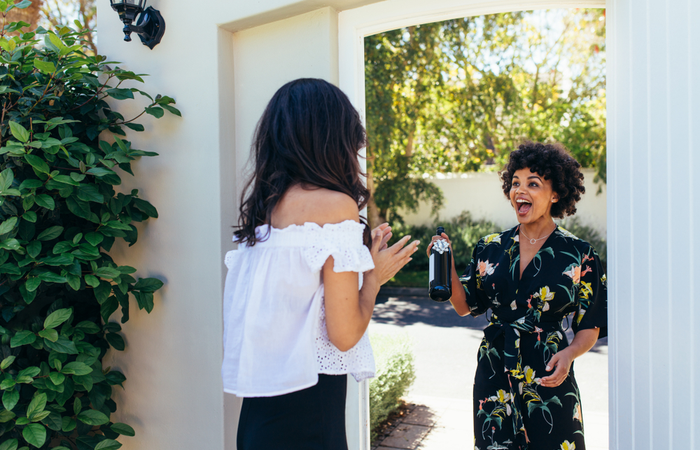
(310, 419)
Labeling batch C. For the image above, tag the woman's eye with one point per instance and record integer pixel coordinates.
(533, 184)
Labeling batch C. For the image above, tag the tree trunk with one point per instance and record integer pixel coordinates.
(373, 216)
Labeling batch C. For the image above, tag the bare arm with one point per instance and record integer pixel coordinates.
(583, 341)
(348, 311)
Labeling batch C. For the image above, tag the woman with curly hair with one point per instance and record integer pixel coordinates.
(532, 277)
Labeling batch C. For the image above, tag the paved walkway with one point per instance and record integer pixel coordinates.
(445, 347)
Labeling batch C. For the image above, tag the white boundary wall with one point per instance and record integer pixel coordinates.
(480, 193)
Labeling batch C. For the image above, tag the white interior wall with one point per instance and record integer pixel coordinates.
(480, 193)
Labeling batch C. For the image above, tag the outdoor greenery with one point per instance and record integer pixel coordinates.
(395, 374)
(465, 232)
(460, 95)
(62, 154)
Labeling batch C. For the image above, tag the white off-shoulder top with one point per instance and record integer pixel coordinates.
(275, 338)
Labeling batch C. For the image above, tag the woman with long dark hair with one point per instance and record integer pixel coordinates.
(531, 277)
(301, 287)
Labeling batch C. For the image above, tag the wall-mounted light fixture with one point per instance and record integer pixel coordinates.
(150, 25)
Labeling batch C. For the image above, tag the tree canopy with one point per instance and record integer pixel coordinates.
(460, 95)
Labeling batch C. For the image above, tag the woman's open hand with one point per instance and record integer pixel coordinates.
(389, 260)
(561, 363)
(442, 237)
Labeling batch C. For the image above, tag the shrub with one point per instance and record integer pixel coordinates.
(395, 374)
(59, 216)
(463, 230)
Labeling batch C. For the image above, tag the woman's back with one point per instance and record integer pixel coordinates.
(302, 204)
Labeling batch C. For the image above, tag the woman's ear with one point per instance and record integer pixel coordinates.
(555, 198)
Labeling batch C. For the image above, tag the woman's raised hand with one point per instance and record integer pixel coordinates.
(389, 260)
(442, 237)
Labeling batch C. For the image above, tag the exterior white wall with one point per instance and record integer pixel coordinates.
(173, 394)
(653, 143)
(480, 193)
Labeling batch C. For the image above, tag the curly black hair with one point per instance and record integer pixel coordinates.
(553, 162)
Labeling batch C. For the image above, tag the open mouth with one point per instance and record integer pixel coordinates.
(523, 206)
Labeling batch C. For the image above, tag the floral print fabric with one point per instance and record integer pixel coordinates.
(512, 410)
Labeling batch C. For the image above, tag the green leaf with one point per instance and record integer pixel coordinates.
(10, 444)
(65, 179)
(23, 337)
(32, 284)
(7, 362)
(29, 372)
(172, 110)
(88, 327)
(37, 404)
(145, 207)
(115, 378)
(54, 422)
(148, 284)
(116, 341)
(19, 132)
(94, 238)
(31, 183)
(8, 225)
(108, 444)
(29, 216)
(34, 248)
(107, 272)
(10, 399)
(10, 244)
(155, 112)
(76, 368)
(93, 417)
(57, 378)
(120, 94)
(92, 280)
(57, 317)
(123, 429)
(45, 201)
(62, 345)
(117, 225)
(50, 233)
(6, 416)
(46, 67)
(35, 434)
(37, 163)
(51, 335)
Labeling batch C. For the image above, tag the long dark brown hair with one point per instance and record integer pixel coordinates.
(309, 134)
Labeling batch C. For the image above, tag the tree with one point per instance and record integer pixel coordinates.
(459, 95)
(81, 13)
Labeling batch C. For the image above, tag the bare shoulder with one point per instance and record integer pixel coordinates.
(317, 205)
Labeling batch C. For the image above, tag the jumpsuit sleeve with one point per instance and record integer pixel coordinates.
(592, 296)
(477, 299)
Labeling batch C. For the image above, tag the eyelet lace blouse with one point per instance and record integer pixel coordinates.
(275, 337)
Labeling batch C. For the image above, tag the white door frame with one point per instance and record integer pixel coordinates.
(356, 24)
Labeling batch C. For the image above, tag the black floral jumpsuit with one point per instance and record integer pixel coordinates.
(511, 409)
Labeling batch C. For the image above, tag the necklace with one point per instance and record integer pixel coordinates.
(534, 241)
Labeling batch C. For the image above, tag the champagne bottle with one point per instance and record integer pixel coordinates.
(440, 287)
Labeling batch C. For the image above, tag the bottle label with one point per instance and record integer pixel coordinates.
(431, 275)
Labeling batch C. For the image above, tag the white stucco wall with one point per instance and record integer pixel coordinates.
(480, 193)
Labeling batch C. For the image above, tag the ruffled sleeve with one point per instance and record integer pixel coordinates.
(342, 241)
(592, 296)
